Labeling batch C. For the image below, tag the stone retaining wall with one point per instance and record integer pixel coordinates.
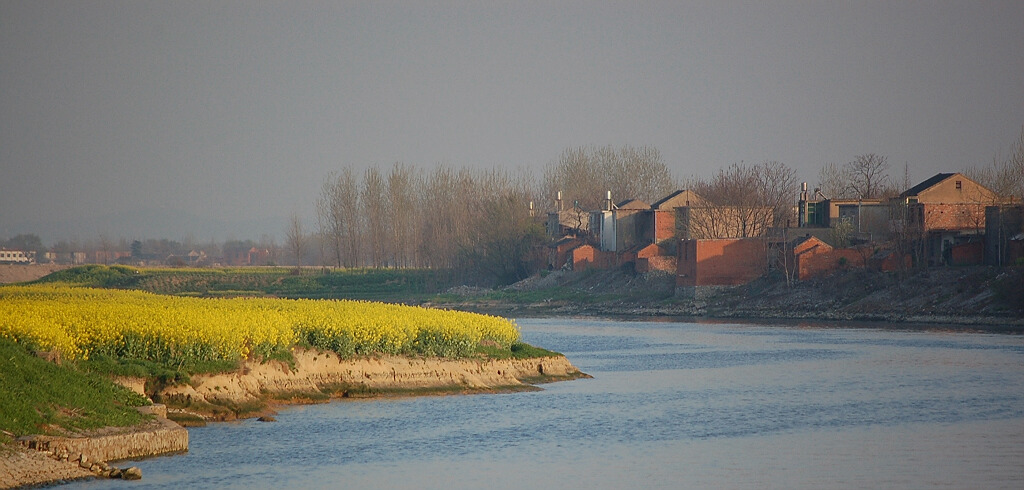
(161, 436)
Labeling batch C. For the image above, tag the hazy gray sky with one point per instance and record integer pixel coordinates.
(118, 116)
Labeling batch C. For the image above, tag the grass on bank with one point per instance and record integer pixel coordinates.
(518, 350)
(38, 396)
(405, 286)
(393, 285)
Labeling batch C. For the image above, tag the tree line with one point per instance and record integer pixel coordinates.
(488, 224)
(485, 223)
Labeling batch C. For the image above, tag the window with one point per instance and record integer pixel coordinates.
(959, 185)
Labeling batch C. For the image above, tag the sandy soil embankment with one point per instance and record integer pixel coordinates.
(21, 273)
(318, 374)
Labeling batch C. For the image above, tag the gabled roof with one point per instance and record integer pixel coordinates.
(811, 240)
(927, 184)
(685, 196)
(633, 204)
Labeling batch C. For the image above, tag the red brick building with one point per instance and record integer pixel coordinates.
(811, 257)
(659, 222)
(588, 256)
(654, 257)
(723, 262)
(946, 210)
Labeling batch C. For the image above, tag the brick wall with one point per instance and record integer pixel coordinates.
(587, 256)
(664, 224)
(823, 264)
(968, 254)
(952, 216)
(660, 263)
(891, 262)
(727, 262)
(649, 251)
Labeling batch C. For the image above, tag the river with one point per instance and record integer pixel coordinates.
(670, 405)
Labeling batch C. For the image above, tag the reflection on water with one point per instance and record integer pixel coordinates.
(671, 405)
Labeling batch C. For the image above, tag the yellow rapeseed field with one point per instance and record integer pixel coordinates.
(78, 321)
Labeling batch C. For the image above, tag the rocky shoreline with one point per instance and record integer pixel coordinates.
(46, 460)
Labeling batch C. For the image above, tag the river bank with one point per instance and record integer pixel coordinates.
(965, 298)
(38, 460)
(318, 376)
(257, 390)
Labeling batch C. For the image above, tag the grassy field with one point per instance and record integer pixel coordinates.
(392, 285)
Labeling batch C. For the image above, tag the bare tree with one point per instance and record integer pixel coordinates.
(402, 213)
(105, 247)
(841, 233)
(585, 174)
(330, 221)
(742, 201)
(867, 175)
(832, 182)
(442, 199)
(777, 185)
(373, 199)
(296, 237)
(338, 216)
(1005, 175)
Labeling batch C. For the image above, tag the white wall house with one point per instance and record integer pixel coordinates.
(16, 257)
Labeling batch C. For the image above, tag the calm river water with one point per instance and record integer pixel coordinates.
(671, 405)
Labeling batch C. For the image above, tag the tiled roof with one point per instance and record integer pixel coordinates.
(919, 188)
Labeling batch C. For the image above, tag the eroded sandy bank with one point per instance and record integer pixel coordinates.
(319, 375)
(314, 376)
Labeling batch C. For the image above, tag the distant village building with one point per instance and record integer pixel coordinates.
(17, 257)
(868, 219)
(709, 246)
(660, 222)
(945, 211)
(259, 256)
(811, 258)
(72, 258)
(617, 227)
(1004, 235)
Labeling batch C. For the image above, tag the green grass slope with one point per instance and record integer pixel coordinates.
(40, 397)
